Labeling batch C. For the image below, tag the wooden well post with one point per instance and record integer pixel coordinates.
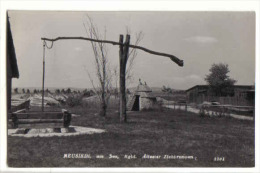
(123, 57)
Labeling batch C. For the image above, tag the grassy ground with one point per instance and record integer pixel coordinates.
(161, 132)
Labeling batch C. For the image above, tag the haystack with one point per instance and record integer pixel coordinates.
(143, 98)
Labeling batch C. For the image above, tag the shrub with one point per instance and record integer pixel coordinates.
(202, 113)
(74, 101)
(155, 107)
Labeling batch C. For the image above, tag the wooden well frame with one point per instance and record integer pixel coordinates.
(35, 119)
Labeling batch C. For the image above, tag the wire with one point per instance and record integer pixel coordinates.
(47, 45)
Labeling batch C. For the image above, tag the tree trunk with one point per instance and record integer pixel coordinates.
(103, 109)
(103, 104)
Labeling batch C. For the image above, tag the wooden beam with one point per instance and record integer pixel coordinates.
(41, 125)
(43, 75)
(123, 56)
(35, 121)
(122, 85)
(121, 78)
(172, 57)
(41, 115)
(20, 111)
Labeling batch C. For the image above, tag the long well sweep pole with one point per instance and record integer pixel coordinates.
(123, 55)
(172, 57)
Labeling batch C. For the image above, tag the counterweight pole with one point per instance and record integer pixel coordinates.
(43, 75)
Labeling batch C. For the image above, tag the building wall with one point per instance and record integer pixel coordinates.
(240, 97)
(240, 92)
(197, 94)
(146, 103)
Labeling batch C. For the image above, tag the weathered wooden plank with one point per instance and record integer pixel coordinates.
(41, 125)
(24, 105)
(44, 112)
(20, 111)
(42, 115)
(33, 121)
(38, 113)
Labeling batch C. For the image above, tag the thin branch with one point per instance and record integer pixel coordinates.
(132, 54)
(91, 80)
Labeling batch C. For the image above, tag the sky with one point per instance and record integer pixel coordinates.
(198, 38)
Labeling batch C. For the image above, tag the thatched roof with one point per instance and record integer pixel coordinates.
(10, 52)
(143, 88)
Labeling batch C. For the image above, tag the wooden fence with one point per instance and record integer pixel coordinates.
(238, 101)
(226, 110)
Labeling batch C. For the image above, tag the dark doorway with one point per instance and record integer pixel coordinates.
(136, 106)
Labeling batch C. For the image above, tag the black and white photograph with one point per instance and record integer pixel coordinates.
(131, 89)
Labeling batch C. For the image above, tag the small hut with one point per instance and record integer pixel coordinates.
(142, 98)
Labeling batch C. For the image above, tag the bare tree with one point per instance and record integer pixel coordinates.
(115, 78)
(103, 72)
(132, 55)
(16, 90)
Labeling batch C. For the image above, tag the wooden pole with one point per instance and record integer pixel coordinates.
(121, 78)
(43, 75)
(123, 56)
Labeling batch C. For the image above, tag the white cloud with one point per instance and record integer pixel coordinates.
(77, 48)
(201, 39)
(188, 79)
(194, 77)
